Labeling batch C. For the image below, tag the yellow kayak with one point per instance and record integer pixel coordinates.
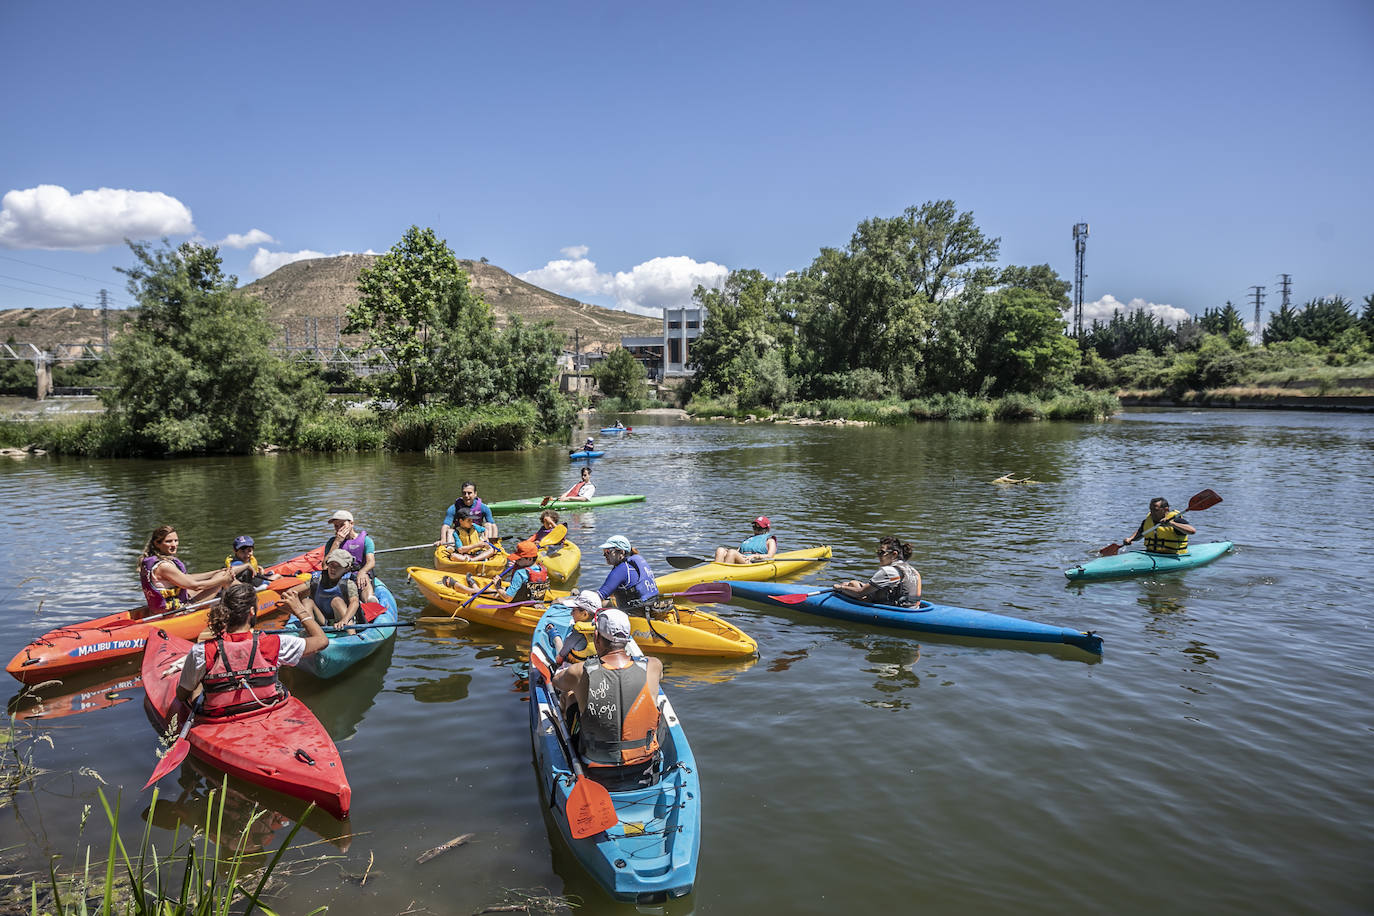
(562, 560)
(784, 563)
(693, 632)
(491, 566)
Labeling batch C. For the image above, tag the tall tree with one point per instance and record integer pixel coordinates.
(1028, 350)
(620, 375)
(1323, 320)
(194, 368)
(737, 352)
(1283, 325)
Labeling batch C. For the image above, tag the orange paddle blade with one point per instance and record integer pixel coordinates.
(170, 761)
(371, 610)
(1204, 500)
(590, 809)
(1110, 550)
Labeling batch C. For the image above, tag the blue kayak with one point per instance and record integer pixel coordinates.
(1140, 562)
(927, 618)
(615, 429)
(344, 650)
(651, 852)
(584, 454)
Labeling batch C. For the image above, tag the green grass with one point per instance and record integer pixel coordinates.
(1074, 405)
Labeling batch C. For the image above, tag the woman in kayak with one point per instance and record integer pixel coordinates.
(236, 670)
(167, 585)
(895, 583)
(359, 545)
(1170, 529)
(630, 581)
(760, 547)
(579, 492)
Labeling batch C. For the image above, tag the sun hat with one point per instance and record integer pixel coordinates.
(525, 550)
(340, 556)
(762, 522)
(588, 600)
(242, 541)
(613, 626)
(618, 542)
(343, 515)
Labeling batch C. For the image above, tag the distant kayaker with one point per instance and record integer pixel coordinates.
(470, 541)
(630, 581)
(895, 583)
(621, 727)
(589, 445)
(1165, 538)
(467, 501)
(359, 545)
(243, 556)
(758, 548)
(528, 580)
(167, 586)
(579, 492)
(334, 590)
(235, 671)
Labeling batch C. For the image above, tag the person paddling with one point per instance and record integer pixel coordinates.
(758, 548)
(358, 543)
(167, 586)
(895, 583)
(580, 492)
(235, 671)
(1171, 529)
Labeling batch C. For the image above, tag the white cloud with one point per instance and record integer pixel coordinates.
(1103, 309)
(49, 216)
(246, 239)
(264, 262)
(646, 288)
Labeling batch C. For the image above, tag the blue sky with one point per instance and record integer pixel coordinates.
(623, 152)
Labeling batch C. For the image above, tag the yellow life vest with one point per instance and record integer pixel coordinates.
(231, 561)
(1164, 539)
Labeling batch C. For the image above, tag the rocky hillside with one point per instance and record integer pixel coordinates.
(321, 289)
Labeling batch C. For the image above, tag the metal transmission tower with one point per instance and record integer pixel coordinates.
(1258, 293)
(1080, 247)
(1285, 287)
(105, 318)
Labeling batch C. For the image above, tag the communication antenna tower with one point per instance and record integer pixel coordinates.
(1080, 246)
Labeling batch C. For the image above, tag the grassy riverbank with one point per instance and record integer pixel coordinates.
(1077, 405)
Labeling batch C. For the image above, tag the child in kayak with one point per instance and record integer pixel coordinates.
(762, 546)
(1164, 531)
(470, 541)
(243, 556)
(529, 581)
(895, 583)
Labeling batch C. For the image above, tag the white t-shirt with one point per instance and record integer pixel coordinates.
(193, 668)
(890, 575)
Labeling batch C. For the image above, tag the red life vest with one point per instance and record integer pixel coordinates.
(247, 677)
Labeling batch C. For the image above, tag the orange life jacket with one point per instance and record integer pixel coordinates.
(619, 724)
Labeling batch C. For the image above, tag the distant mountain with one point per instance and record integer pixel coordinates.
(322, 289)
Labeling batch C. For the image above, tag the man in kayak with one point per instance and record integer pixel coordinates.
(167, 586)
(896, 582)
(1170, 529)
(579, 492)
(616, 698)
(469, 502)
(758, 548)
(630, 581)
(358, 543)
(235, 671)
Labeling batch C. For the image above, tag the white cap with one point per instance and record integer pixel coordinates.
(343, 515)
(613, 626)
(588, 600)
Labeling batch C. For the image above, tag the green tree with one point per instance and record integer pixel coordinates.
(739, 348)
(620, 375)
(1283, 325)
(528, 370)
(1028, 350)
(194, 368)
(1224, 321)
(1367, 317)
(1323, 320)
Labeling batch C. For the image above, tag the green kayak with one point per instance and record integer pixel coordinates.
(1139, 562)
(509, 506)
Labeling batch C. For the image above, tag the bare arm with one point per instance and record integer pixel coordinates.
(315, 638)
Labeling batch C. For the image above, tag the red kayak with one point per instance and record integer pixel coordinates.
(82, 646)
(283, 748)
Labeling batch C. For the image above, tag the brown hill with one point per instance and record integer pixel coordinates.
(322, 288)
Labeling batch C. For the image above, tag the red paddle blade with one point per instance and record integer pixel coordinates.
(1204, 500)
(590, 809)
(371, 610)
(793, 599)
(1110, 550)
(540, 664)
(705, 593)
(170, 761)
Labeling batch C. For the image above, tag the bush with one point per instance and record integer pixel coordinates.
(1017, 407)
(1083, 405)
(861, 383)
(339, 433)
(950, 407)
(463, 429)
(1095, 372)
(1142, 370)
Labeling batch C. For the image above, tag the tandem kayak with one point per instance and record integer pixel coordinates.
(1140, 562)
(283, 748)
(583, 453)
(532, 505)
(784, 563)
(927, 618)
(688, 632)
(650, 853)
(344, 650)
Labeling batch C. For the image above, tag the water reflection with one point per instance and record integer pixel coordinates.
(341, 703)
(76, 695)
(450, 688)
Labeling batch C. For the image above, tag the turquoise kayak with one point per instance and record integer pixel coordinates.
(1139, 562)
(927, 618)
(508, 506)
(344, 650)
(582, 453)
(650, 853)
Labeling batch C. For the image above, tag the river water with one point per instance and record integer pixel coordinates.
(1216, 759)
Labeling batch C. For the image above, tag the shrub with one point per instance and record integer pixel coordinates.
(1017, 406)
(463, 429)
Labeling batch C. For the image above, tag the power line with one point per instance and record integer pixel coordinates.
(53, 269)
(60, 289)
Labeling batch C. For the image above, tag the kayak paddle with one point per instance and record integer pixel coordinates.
(1204, 500)
(347, 626)
(704, 593)
(411, 547)
(797, 598)
(493, 581)
(175, 754)
(686, 562)
(589, 808)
